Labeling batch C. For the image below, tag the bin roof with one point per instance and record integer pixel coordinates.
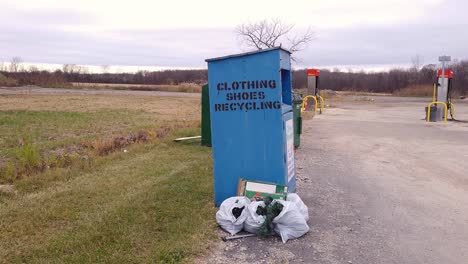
(247, 53)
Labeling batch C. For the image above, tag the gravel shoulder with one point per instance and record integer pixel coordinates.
(382, 186)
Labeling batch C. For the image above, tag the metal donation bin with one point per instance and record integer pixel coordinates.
(252, 132)
(297, 105)
(205, 117)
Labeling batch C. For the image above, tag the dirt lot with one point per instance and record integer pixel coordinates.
(382, 186)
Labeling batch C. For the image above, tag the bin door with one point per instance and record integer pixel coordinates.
(289, 153)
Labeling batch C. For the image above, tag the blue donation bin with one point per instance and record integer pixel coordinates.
(251, 120)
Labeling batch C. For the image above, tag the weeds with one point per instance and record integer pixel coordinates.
(28, 156)
(29, 161)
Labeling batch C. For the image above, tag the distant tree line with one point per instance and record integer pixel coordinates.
(387, 82)
(40, 78)
(141, 77)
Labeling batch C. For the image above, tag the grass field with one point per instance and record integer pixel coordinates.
(147, 199)
(183, 87)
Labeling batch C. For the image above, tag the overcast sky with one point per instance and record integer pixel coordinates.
(381, 33)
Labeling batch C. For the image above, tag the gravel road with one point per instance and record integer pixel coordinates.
(382, 186)
(62, 91)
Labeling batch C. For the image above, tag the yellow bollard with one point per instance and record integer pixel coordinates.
(429, 110)
(322, 103)
(304, 103)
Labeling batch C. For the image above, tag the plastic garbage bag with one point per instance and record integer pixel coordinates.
(295, 199)
(290, 223)
(227, 219)
(254, 221)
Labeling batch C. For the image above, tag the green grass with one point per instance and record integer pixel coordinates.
(73, 202)
(153, 204)
(50, 129)
(32, 141)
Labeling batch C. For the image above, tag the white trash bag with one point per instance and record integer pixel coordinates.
(295, 199)
(254, 221)
(225, 217)
(290, 223)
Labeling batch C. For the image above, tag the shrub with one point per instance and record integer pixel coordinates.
(7, 82)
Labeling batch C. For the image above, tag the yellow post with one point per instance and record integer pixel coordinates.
(452, 110)
(304, 103)
(429, 110)
(322, 102)
(434, 93)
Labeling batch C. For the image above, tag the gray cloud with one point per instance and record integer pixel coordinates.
(47, 36)
(386, 45)
(173, 48)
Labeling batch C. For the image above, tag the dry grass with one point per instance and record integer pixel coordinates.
(72, 130)
(165, 108)
(416, 91)
(183, 87)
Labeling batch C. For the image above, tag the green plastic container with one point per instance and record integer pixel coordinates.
(297, 119)
(205, 117)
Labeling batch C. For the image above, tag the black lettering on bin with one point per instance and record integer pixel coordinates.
(261, 95)
(277, 105)
(253, 95)
(272, 84)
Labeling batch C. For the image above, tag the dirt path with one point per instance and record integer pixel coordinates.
(382, 186)
(62, 91)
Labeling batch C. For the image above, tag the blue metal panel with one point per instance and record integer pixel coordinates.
(249, 106)
(285, 59)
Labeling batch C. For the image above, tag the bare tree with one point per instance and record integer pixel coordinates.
(15, 64)
(105, 68)
(74, 69)
(66, 68)
(273, 33)
(33, 68)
